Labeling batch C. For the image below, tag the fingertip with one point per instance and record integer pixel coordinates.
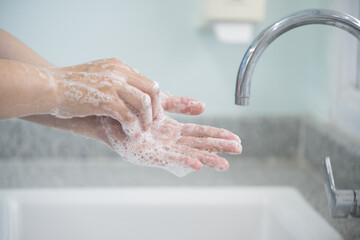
(232, 147)
(237, 149)
(196, 107)
(196, 164)
(234, 137)
(203, 106)
(226, 134)
(238, 139)
(240, 149)
(223, 166)
(199, 109)
(183, 105)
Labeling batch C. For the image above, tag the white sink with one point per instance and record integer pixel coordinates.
(159, 214)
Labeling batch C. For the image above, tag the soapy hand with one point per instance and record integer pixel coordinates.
(105, 100)
(108, 88)
(176, 147)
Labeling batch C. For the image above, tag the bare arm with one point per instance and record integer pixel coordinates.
(185, 144)
(12, 48)
(23, 91)
(105, 87)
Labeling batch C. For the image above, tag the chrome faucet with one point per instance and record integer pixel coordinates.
(342, 202)
(304, 17)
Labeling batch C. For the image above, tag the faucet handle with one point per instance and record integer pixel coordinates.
(342, 203)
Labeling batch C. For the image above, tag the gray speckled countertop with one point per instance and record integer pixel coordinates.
(277, 151)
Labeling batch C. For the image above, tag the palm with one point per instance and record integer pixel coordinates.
(178, 148)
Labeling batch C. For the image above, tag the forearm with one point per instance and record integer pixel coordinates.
(24, 90)
(12, 48)
(87, 127)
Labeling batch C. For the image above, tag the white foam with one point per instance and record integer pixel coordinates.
(151, 149)
(105, 83)
(94, 97)
(76, 90)
(60, 114)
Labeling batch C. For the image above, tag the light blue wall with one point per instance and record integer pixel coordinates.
(160, 38)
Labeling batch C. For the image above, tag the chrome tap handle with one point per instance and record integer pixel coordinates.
(342, 203)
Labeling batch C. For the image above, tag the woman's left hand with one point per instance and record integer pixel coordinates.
(173, 146)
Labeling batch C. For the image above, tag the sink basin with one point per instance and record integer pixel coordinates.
(160, 213)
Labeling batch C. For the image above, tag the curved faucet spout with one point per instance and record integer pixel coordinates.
(304, 17)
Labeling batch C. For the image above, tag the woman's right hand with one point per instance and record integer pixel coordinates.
(108, 88)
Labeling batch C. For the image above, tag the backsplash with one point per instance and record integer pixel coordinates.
(293, 138)
(320, 141)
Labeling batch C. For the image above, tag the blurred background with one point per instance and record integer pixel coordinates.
(299, 74)
(304, 104)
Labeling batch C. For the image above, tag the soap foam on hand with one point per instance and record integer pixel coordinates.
(106, 87)
(175, 147)
(125, 103)
(152, 149)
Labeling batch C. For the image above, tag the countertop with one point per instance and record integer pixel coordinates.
(106, 172)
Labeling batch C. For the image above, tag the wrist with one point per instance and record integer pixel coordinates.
(24, 90)
(48, 93)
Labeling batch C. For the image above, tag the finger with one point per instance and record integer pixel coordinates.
(195, 130)
(209, 159)
(212, 144)
(138, 100)
(149, 87)
(183, 105)
(109, 130)
(186, 160)
(119, 111)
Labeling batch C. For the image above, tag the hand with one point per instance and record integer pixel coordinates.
(109, 88)
(89, 127)
(178, 148)
(184, 147)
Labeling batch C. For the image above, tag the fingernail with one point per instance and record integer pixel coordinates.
(237, 138)
(224, 166)
(233, 136)
(237, 149)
